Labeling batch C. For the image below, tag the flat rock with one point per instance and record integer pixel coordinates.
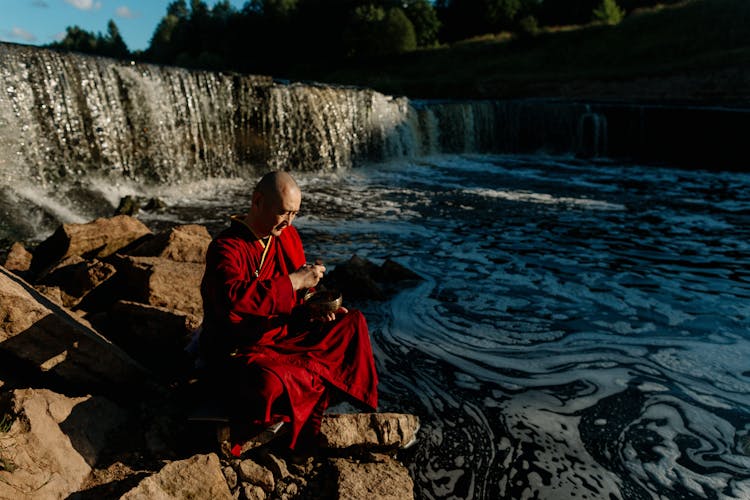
(197, 477)
(35, 330)
(186, 243)
(162, 282)
(368, 430)
(386, 479)
(53, 442)
(99, 238)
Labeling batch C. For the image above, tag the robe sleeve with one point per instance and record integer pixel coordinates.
(238, 294)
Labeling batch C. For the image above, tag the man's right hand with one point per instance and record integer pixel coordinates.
(307, 276)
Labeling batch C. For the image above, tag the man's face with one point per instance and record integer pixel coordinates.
(276, 212)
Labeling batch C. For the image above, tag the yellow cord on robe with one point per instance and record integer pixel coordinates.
(265, 244)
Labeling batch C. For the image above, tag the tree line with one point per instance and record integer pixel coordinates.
(270, 36)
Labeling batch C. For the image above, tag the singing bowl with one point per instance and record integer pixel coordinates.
(323, 302)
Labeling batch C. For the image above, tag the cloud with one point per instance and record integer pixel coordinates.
(20, 34)
(85, 4)
(125, 12)
(40, 3)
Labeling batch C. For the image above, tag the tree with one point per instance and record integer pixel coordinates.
(113, 45)
(79, 40)
(426, 24)
(608, 12)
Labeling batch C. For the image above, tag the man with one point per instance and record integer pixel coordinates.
(280, 365)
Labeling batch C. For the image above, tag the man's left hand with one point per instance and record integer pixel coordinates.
(331, 316)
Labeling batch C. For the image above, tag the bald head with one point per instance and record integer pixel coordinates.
(276, 201)
(276, 184)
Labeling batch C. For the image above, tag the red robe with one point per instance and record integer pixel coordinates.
(251, 320)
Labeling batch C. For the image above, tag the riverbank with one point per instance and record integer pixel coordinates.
(100, 399)
(696, 52)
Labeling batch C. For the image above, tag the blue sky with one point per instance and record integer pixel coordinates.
(39, 22)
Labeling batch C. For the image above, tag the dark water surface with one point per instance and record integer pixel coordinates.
(583, 330)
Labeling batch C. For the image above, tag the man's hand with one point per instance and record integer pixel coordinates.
(331, 316)
(307, 276)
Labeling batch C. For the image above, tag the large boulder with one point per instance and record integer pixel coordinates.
(162, 282)
(197, 477)
(361, 279)
(53, 443)
(368, 430)
(385, 479)
(100, 238)
(182, 244)
(44, 335)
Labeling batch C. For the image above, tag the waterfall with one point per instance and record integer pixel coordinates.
(66, 116)
(68, 121)
(592, 134)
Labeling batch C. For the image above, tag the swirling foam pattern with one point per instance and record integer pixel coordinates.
(583, 330)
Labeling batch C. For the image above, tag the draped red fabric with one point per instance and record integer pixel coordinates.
(253, 321)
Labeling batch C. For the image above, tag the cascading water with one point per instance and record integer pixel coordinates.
(69, 121)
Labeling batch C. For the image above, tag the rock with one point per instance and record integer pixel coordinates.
(100, 238)
(154, 204)
(197, 477)
(277, 465)
(53, 442)
(368, 430)
(361, 279)
(76, 277)
(256, 474)
(231, 476)
(393, 272)
(35, 330)
(253, 492)
(18, 259)
(53, 293)
(162, 282)
(355, 280)
(129, 205)
(385, 480)
(155, 336)
(182, 244)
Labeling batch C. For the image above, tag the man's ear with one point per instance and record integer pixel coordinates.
(257, 197)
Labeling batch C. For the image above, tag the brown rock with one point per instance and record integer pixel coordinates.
(384, 480)
(253, 492)
(53, 293)
(76, 277)
(182, 244)
(18, 259)
(368, 430)
(152, 327)
(162, 282)
(100, 238)
(197, 477)
(256, 474)
(37, 331)
(53, 442)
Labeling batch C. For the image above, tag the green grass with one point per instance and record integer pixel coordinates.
(5, 423)
(695, 38)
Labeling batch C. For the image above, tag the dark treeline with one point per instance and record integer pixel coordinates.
(272, 36)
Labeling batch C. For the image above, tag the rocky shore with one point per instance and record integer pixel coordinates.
(98, 395)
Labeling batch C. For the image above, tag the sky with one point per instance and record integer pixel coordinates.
(39, 22)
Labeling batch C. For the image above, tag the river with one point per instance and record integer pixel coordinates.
(583, 329)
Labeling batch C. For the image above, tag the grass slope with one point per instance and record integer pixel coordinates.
(695, 51)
